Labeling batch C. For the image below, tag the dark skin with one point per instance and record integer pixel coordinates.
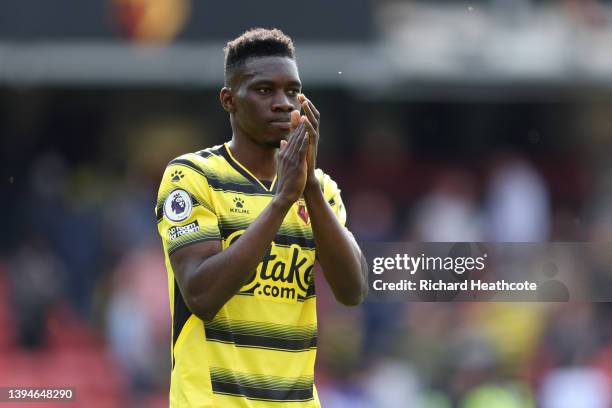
(270, 138)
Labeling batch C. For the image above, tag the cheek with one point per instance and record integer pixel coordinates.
(246, 104)
(255, 112)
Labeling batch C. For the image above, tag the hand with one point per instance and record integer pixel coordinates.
(312, 120)
(292, 168)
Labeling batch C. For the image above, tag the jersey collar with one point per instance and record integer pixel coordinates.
(244, 171)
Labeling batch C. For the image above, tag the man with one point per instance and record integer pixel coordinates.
(242, 224)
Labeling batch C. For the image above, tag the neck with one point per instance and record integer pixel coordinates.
(258, 159)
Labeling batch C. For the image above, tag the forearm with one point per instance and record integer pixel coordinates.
(216, 279)
(337, 252)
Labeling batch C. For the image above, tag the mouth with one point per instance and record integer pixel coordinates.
(281, 124)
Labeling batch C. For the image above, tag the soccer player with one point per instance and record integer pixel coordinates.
(242, 224)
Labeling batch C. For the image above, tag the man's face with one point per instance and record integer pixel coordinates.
(265, 92)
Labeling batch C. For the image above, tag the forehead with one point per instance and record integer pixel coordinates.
(270, 69)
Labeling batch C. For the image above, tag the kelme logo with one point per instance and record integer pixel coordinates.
(238, 206)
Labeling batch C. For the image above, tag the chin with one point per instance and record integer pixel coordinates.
(273, 143)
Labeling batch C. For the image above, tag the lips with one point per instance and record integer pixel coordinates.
(281, 123)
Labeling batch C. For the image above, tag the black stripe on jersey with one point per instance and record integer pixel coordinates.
(188, 163)
(311, 290)
(190, 242)
(222, 185)
(255, 183)
(300, 298)
(159, 212)
(216, 183)
(248, 190)
(250, 187)
(265, 329)
(213, 181)
(173, 249)
(280, 239)
(292, 239)
(230, 187)
(262, 394)
(206, 153)
(180, 315)
(247, 340)
(261, 387)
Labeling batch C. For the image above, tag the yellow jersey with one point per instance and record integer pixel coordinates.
(259, 350)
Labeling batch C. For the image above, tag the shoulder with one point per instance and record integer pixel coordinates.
(331, 193)
(328, 185)
(325, 180)
(187, 178)
(191, 171)
(205, 161)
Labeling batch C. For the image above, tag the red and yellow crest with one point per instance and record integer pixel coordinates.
(302, 211)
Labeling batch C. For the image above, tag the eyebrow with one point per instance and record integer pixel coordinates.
(265, 81)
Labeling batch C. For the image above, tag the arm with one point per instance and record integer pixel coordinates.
(340, 257)
(337, 251)
(207, 276)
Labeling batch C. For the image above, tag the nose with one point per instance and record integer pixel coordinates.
(281, 103)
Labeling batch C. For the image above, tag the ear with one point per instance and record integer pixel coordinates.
(226, 97)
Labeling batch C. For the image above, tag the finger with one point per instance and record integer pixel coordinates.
(295, 119)
(293, 123)
(302, 98)
(313, 137)
(314, 110)
(311, 116)
(293, 134)
(304, 147)
(295, 140)
(283, 145)
(299, 135)
(311, 130)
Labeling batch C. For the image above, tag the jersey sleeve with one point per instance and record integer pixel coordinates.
(185, 211)
(331, 192)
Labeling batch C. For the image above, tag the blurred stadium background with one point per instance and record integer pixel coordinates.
(455, 121)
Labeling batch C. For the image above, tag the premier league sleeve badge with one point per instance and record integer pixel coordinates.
(178, 205)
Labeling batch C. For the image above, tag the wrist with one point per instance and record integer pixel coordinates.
(312, 187)
(282, 202)
(312, 183)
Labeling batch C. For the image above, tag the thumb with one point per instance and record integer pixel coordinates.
(295, 119)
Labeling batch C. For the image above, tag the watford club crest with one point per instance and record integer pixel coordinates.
(302, 211)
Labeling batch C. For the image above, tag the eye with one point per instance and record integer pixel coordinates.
(293, 92)
(263, 90)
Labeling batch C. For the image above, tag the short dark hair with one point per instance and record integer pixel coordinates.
(256, 42)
